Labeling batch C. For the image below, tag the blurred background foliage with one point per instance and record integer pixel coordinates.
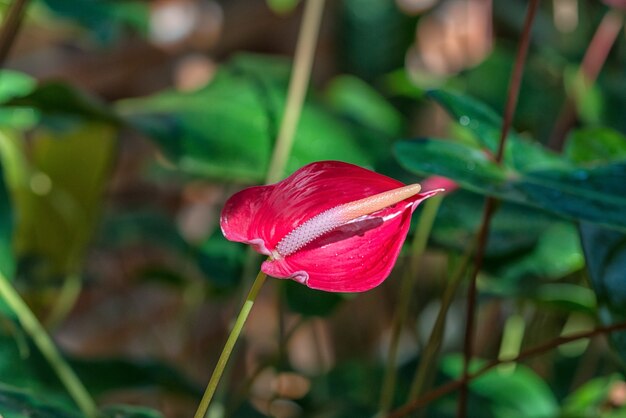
(124, 126)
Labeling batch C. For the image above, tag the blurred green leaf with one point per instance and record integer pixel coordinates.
(22, 365)
(591, 399)
(120, 230)
(520, 153)
(374, 36)
(15, 84)
(106, 19)
(605, 253)
(587, 96)
(557, 254)
(126, 411)
(61, 104)
(596, 194)
(60, 201)
(354, 98)
(101, 375)
(310, 302)
(7, 263)
(515, 229)
(226, 130)
(282, 6)
(221, 260)
(19, 403)
(513, 393)
(565, 296)
(594, 145)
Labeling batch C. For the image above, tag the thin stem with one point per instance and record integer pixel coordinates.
(490, 205)
(10, 27)
(420, 239)
(303, 62)
(427, 360)
(44, 343)
(65, 301)
(468, 341)
(230, 343)
(531, 352)
(593, 61)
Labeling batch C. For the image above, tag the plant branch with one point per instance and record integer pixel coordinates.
(230, 343)
(10, 27)
(531, 352)
(303, 63)
(45, 344)
(593, 61)
(490, 205)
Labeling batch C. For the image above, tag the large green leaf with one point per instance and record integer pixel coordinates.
(226, 130)
(58, 208)
(520, 392)
(596, 194)
(605, 252)
(520, 153)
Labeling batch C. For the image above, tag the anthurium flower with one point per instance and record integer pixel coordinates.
(331, 225)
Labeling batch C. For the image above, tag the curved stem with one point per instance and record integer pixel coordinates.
(10, 27)
(303, 62)
(65, 301)
(44, 343)
(427, 360)
(593, 61)
(420, 239)
(230, 343)
(531, 352)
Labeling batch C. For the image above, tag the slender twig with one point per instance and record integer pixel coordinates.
(420, 239)
(490, 205)
(45, 344)
(10, 27)
(230, 343)
(303, 63)
(593, 61)
(427, 360)
(531, 352)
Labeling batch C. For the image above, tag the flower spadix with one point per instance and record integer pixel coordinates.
(332, 226)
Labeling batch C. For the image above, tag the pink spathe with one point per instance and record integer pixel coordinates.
(317, 228)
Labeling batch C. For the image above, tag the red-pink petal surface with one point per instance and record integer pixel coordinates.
(353, 258)
(356, 258)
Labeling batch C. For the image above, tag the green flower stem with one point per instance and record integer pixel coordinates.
(428, 359)
(418, 245)
(230, 344)
(303, 62)
(43, 341)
